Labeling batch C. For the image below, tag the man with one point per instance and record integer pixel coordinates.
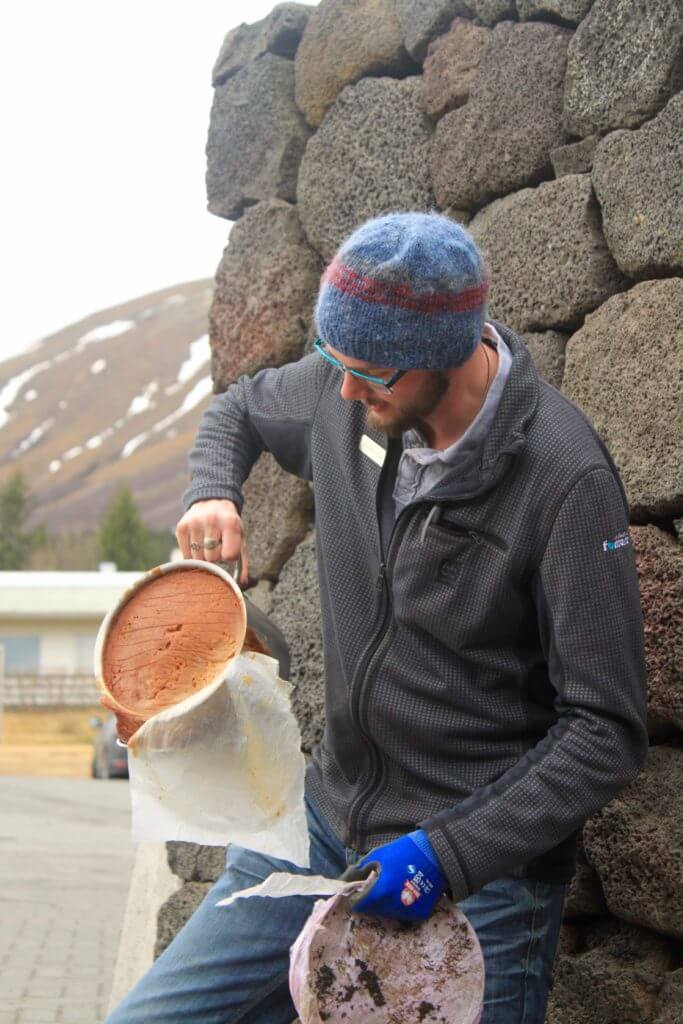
(483, 640)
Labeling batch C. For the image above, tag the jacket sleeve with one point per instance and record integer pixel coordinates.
(272, 411)
(591, 632)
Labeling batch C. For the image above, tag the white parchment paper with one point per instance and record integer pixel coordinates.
(224, 766)
(281, 884)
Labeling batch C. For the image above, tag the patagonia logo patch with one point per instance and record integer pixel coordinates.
(620, 541)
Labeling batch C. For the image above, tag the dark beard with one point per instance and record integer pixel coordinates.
(412, 417)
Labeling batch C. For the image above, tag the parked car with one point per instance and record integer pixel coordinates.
(110, 758)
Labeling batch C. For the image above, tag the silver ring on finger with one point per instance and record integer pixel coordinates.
(211, 543)
(196, 547)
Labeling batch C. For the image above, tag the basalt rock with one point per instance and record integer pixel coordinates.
(570, 939)
(500, 140)
(294, 606)
(195, 863)
(548, 258)
(575, 157)
(266, 285)
(177, 911)
(614, 978)
(491, 11)
(344, 41)
(585, 897)
(638, 179)
(623, 368)
(368, 157)
(257, 137)
(451, 67)
(572, 11)
(547, 352)
(659, 558)
(272, 539)
(424, 20)
(623, 60)
(670, 999)
(635, 843)
(277, 33)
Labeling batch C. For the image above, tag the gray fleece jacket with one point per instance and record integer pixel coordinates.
(483, 651)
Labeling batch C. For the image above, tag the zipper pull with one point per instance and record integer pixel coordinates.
(434, 516)
(382, 574)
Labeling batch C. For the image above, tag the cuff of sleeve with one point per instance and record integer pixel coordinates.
(449, 861)
(206, 493)
(421, 840)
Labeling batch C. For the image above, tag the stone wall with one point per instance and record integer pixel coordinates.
(553, 129)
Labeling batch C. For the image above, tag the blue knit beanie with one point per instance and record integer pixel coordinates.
(406, 291)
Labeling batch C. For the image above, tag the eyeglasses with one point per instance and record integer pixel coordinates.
(377, 382)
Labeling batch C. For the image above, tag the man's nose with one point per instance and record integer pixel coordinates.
(353, 388)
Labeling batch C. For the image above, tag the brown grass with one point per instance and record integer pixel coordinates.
(61, 761)
(48, 727)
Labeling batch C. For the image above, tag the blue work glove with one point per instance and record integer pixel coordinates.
(409, 883)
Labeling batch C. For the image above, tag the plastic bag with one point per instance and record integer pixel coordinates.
(224, 765)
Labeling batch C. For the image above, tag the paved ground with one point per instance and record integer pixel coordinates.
(65, 862)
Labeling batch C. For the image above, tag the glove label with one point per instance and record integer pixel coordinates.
(414, 887)
(409, 893)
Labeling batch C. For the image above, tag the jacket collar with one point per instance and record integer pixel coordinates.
(507, 435)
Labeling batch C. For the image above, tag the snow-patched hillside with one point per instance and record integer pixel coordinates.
(115, 398)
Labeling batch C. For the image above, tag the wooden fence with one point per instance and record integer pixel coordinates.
(18, 691)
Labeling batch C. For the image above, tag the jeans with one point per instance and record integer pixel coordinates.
(230, 964)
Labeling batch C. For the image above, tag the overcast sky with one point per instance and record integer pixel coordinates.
(104, 128)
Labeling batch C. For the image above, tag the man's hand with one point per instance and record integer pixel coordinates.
(214, 520)
(410, 880)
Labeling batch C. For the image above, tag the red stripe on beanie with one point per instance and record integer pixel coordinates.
(370, 289)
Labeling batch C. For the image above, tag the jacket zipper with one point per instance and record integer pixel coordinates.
(376, 646)
(359, 685)
(377, 642)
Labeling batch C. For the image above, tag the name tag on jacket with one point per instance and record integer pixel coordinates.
(373, 450)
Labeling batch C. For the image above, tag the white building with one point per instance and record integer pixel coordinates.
(49, 620)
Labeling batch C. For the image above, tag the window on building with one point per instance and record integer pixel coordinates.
(22, 654)
(85, 652)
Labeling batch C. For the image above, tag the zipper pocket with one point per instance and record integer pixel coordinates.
(443, 527)
(453, 532)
